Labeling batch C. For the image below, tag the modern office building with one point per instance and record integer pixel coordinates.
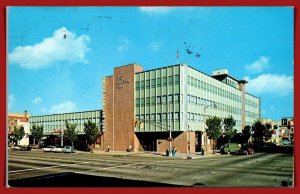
(171, 105)
(54, 124)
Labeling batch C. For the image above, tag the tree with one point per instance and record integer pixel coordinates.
(213, 131)
(228, 124)
(91, 132)
(37, 132)
(19, 132)
(268, 132)
(246, 134)
(259, 130)
(70, 133)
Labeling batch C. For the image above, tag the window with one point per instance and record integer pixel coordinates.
(177, 79)
(137, 85)
(192, 116)
(164, 116)
(147, 117)
(142, 85)
(164, 99)
(170, 80)
(158, 82)
(170, 116)
(192, 99)
(176, 98)
(142, 117)
(164, 81)
(147, 101)
(153, 83)
(189, 80)
(158, 99)
(152, 117)
(188, 116)
(170, 98)
(147, 84)
(142, 102)
(176, 116)
(153, 100)
(188, 98)
(158, 117)
(137, 102)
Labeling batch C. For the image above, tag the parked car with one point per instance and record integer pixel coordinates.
(15, 147)
(49, 149)
(246, 150)
(69, 149)
(58, 149)
(286, 142)
(25, 148)
(230, 148)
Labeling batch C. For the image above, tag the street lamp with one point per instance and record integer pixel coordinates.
(169, 126)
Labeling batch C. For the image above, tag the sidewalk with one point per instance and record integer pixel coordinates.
(151, 154)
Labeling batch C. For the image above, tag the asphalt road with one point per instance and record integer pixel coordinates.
(38, 169)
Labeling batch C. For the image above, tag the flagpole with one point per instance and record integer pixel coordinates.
(177, 55)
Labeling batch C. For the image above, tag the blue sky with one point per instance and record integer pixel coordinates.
(57, 56)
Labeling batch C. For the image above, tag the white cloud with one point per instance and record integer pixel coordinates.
(155, 10)
(123, 46)
(154, 46)
(63, 107)
(275, 84)
(37, 100)
(11, 101)
(259, 65)
(63, 46)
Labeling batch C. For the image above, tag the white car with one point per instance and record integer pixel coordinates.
(49, 149)
(58, 149)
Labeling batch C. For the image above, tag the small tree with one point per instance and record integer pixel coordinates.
(228, 124)
(213, 130)
(36, 132)
(19, 133)
(259, 130)
(268, 132)
(246, 134)
(70, 133)
(91, 132)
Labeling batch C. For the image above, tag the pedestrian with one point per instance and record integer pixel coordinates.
(108, 148)
(174, 151)
(130, 148)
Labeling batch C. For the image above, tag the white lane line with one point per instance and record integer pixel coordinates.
(42, 168)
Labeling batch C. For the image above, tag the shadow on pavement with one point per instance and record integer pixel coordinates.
(81, 180)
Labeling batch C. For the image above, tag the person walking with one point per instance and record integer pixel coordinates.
(174, 151)
(108, 147)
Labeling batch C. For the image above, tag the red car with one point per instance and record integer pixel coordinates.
(247, 151)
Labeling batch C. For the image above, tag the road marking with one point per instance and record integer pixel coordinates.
(57, 166)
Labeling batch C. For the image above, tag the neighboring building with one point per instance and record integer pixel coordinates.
(170, 101)
(286, 129)
(17, 120)
(275, 127)
(54, 124)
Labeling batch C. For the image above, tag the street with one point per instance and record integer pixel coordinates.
(38, 169)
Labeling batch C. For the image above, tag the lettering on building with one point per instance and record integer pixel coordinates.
(120, 82)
